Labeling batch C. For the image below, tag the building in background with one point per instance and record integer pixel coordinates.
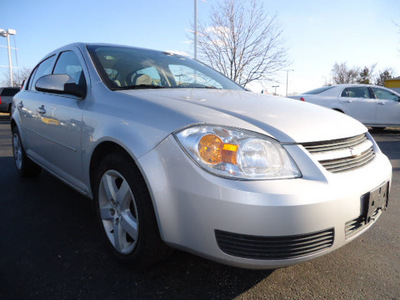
(393, 84)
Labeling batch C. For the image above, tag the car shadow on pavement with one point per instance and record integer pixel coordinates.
(52, 249)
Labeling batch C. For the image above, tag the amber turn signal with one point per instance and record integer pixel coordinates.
(213, 151)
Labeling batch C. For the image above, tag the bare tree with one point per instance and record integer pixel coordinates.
(383, 76)
(242, 41)
(366, 74)
(342, 74)
(18, 77)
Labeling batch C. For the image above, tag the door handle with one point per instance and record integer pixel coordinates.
(381, 103)
(41, 110)
(20, 104)
(347, 101)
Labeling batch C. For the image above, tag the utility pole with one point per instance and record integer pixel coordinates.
(7, 34)
(287, 80)
(195, 29)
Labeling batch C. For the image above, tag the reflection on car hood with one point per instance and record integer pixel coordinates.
(286, 120)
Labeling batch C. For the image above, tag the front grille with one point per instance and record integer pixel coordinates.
(357, 224)
(274, 248)
(342, 154)
(354, 226)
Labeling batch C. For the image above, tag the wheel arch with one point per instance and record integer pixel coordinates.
(15, 124)
(107, 147)
(101, 151)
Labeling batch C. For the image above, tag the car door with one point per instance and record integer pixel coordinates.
(388, 107)
(27, 102)
(59, 123)
(359, 103)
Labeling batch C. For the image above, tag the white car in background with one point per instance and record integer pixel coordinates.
(374, 106)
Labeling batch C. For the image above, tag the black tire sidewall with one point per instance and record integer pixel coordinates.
(148, 237)
(28, 167)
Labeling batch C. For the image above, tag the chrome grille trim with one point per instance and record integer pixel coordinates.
(343, 154)
(335, 144)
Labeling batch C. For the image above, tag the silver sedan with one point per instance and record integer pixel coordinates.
(175, 155)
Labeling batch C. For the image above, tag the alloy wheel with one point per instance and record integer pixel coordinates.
(118, 212)
(17, 149)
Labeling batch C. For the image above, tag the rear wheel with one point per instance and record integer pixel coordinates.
(126, 213)
(25, 166)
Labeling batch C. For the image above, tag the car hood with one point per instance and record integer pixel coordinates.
(286, 120)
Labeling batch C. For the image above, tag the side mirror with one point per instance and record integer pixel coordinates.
(60, 84)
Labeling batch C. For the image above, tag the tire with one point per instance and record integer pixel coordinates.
(125, 212)
(378, 128)
(25, 166)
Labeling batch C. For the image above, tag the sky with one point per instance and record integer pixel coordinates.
(317, 33)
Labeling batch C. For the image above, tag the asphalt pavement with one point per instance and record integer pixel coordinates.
(51, 248)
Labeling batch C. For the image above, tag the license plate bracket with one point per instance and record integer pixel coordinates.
(375, 200)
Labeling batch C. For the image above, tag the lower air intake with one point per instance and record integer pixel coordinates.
(274, 248)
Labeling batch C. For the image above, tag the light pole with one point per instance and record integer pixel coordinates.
(287, 80)
(275, 86)
(7, 35)
(195, 29)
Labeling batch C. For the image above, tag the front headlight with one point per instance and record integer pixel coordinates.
(237, 153)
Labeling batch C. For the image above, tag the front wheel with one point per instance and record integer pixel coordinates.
(25, 166)
(126, 213)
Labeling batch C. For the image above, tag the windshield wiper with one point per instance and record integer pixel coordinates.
(208, 87)
(138, 86)
(195, 86)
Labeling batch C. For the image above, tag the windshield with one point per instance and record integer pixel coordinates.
(124, 68)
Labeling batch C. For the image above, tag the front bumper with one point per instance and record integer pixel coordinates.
(193, 206)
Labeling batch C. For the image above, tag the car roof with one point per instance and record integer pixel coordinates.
(83, 46)
(338, 87)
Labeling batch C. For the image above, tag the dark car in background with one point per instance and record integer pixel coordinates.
(6, 96)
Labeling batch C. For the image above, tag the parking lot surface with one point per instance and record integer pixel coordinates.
(51, 248)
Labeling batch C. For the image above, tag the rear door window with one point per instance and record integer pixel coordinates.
(44, 68)
(357, 92)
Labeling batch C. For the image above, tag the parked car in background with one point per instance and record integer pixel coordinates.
(374, 106)
(174, 153)
(6, 96)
